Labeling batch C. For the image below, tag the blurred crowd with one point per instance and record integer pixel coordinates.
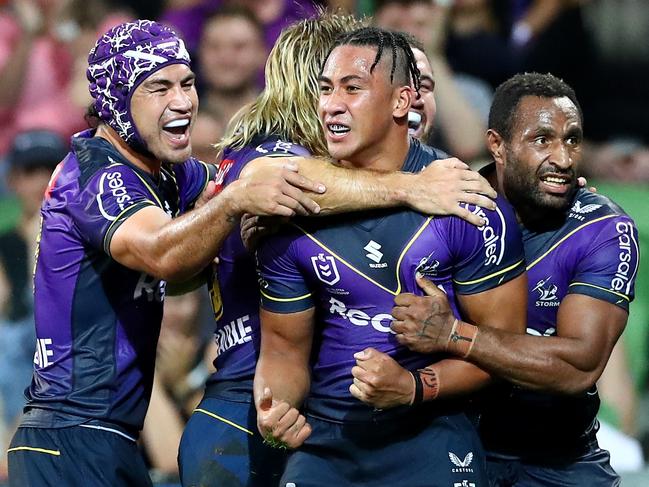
(597, 46)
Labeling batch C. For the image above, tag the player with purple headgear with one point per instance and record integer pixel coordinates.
(109, 241)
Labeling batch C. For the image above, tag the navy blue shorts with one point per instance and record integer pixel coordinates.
(592, 469)
(423, 450)
(222, 447)
(74, 456)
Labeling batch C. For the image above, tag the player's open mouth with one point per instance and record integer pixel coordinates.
(177, 130)
(556, 183)
(414, 122)
(337, 131)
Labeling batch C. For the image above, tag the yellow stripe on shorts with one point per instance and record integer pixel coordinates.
(56, 453)
(227, 421)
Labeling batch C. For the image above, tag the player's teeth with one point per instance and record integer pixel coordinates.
(182, 122)
(338, 128)
(414, 118)
(554, 180)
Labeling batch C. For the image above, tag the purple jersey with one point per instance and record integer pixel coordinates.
(351, 267)
(595, 252)
(97, 322)
(235, 297)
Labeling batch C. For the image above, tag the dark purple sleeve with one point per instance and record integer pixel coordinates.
(111, 196)
(486, 256)
(609, 267)
(281, 283)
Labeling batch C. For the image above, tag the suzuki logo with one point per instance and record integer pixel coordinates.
(373, 252)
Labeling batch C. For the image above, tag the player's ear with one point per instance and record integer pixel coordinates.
(402, 101)
(496, 146)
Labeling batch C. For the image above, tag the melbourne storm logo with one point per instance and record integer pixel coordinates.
(325, 268)
(547, 293)
(428, 266)
(462, 466)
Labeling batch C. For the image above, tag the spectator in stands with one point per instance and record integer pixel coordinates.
(231, 56)
(35, 71)
(31, 160)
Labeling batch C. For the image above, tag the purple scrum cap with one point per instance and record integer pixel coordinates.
(121, 59)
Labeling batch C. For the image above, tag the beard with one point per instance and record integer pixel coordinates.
(532, 204)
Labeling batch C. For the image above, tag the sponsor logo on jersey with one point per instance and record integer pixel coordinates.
(464, 483)
(43, 352)
(621, 280)
(493, 243)
(577, 211)
(374, 254)
(547, 293)
(428, 266)
(325, 268)
(151, 288)
(112, 183)
(380, 322)
(461, 466)
(234, 333)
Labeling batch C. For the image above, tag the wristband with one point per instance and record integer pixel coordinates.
(462, 337)
(419, 388)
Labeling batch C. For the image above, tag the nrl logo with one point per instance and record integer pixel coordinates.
(325, 269)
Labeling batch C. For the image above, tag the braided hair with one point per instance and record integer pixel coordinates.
(404, 64)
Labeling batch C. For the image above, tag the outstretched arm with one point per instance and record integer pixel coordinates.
(177, 249)
(437, 190)
(282, 376)
(571, 362)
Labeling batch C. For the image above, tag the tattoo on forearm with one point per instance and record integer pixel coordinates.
(430, 383)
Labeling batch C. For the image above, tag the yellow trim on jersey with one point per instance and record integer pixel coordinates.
(403, 252)
(56, 453)
(600, 288)
(226, 421)
(566, 237)
(284, 300)
(141, 179)
(502, 271)
(119, 215)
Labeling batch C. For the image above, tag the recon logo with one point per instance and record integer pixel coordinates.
(463, 466)
(374, 254)
(325, 269)
(547, 293)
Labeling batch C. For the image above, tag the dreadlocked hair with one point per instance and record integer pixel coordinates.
(404, 65)
(288, 105)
